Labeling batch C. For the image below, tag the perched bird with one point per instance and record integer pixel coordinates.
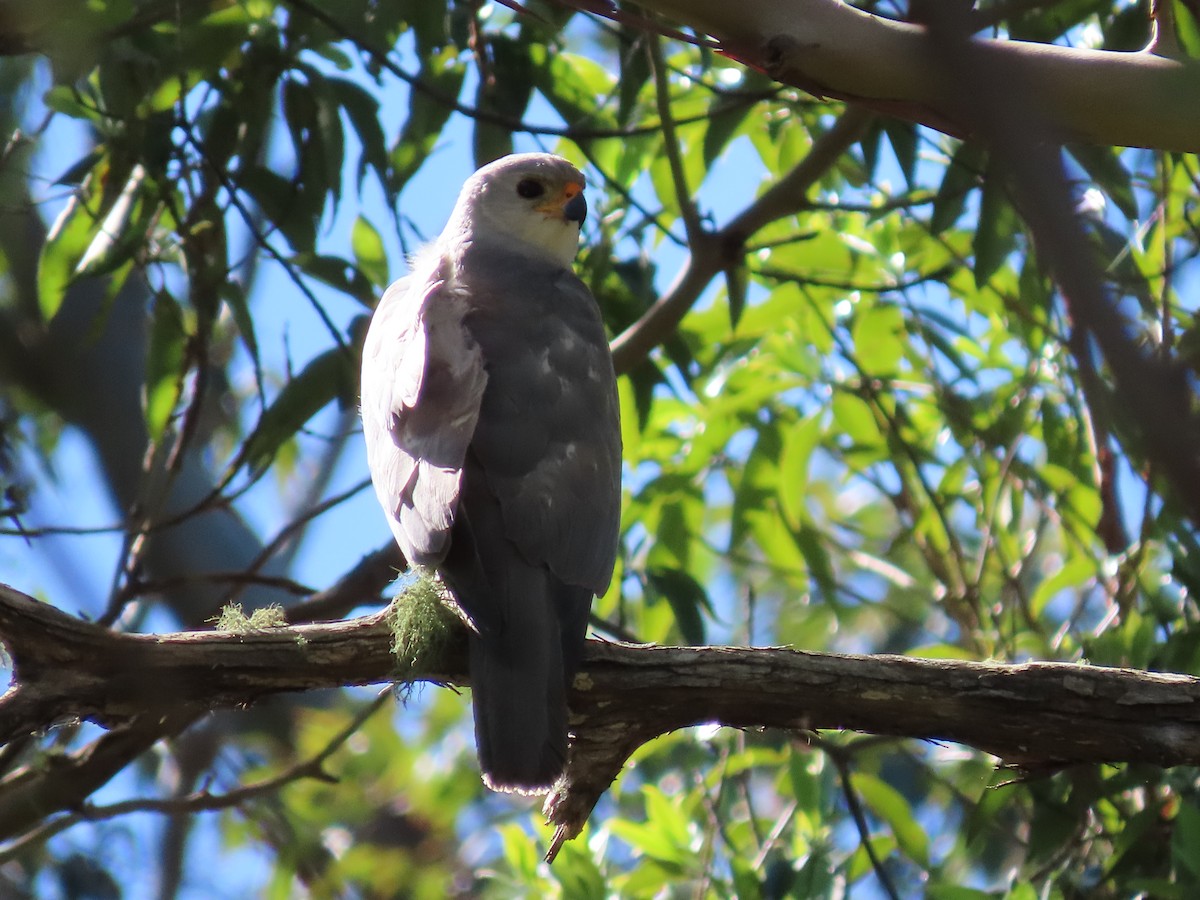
(489, 407)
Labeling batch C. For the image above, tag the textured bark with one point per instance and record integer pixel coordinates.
(1034, 715)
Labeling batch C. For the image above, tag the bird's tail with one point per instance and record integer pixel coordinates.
(528, 638)
(519, 694)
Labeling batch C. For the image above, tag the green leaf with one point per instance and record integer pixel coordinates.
(746, 881)
(164, 364)
(963, 174)
(429, 21)
(1187, 27)
(890, 806)
(800, 440)
(330, 376)
(860, 863)
(880, 338)
(441, 78)
(870, 143)
(505, 94)
(854, 418)
(674, 532)
(78, 171)
(903, 138)
(64, 247)
(66, 99)
(635, 71)
(340, 274)
(1185, 841)
(956, 892)
(363, 112)
(574, 85)
(724, 121)
(519, 852)
(577, 872)
(313, 116)
(811, 544)
(995, 236)
(687, 598)
(757, 484)
(239, 308)
(283, 203)
(369, 252)
(1076, 572)
(666, 836)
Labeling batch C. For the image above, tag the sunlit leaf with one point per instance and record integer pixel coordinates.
(369, 252)
(68, 240)
(164, 364)
(891, 806)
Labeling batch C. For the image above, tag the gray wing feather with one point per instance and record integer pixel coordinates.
(422, 383)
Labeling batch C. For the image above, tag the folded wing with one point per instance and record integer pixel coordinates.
(422, 384)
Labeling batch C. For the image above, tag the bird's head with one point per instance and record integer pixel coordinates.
(535, 199)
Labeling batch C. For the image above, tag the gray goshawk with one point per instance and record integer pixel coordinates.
(489, 406)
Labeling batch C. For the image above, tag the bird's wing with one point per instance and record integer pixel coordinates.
(548, 436)
(422, 384)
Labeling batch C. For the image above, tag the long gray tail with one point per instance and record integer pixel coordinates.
(529, 636)
(518, 690)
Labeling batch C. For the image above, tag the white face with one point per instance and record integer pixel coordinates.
(533, 198)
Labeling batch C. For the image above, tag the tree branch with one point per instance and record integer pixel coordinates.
(1035, 715)
(713, 252)
(829, 48)
(1153, 390)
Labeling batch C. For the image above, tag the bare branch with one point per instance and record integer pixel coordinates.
(207, 801)
(1034, 715)
(713, 253)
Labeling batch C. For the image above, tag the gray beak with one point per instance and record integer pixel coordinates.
(576, 209)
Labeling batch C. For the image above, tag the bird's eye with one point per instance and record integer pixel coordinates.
(528, 188)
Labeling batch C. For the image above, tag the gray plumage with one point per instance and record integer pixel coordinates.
(490, 414)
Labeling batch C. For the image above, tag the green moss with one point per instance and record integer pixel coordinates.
(235, 621)
(422, 626)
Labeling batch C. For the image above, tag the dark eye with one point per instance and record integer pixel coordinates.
(528, 188)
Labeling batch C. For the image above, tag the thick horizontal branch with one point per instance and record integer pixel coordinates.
(1035, 715)
(829, 48)
(66, 668)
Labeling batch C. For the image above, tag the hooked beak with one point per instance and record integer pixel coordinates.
(570, 204)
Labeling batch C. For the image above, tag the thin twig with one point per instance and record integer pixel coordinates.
(860, 820)
(692, 225)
